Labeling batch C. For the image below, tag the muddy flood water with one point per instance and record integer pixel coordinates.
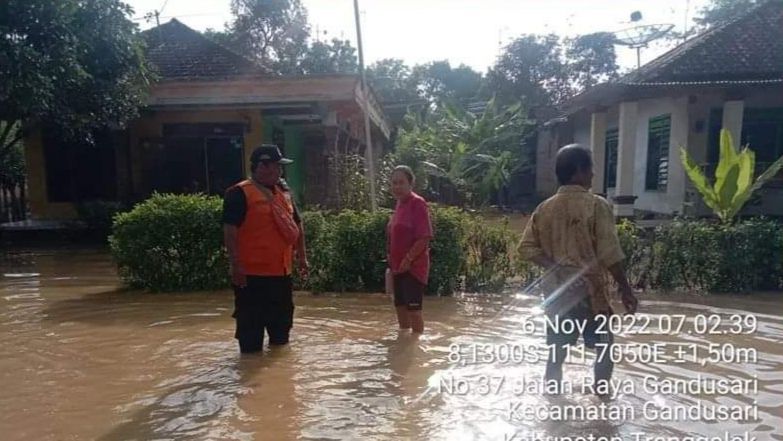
(82, 360)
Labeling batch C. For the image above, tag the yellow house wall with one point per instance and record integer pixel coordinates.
(149, 125)
(40, 207)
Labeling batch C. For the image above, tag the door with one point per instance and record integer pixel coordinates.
(224, 162)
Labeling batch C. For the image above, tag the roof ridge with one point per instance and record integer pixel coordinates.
(175, 22)
(228, 49)
(671, 56)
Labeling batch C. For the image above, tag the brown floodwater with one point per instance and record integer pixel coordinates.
(81, 360)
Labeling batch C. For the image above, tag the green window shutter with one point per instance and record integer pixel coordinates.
(659, 132)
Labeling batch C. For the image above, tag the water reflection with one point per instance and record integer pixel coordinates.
(82, 359)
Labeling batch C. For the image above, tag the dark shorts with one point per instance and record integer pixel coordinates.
(408, 291)
(266, 303)
(581, 311)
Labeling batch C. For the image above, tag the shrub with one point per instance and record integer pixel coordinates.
(319, 239)
(490, 256)
(633, 241)
(174, 243)
(708, 256)
(347, 252)
(171, 243)
(447, 250)
(359, 250)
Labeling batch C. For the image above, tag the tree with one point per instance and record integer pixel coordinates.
(476, 153)
(439, 82)
(592, 59)
(274, 32)
(718, 12)
(12, 168)
(391, 80)
(733, 184)
(531, 69)
(75, 64)
(329, 58)
(224, 38)
(545, 71)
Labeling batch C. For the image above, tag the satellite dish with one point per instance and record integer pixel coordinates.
(636, 16)
(638, 37)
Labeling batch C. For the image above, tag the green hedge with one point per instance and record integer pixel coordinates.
(171, 243)
(705, 255)
(348, 252)
(174, 243)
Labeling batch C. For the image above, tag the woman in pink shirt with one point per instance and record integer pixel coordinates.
(408, 237)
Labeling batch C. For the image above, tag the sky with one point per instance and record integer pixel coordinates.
(460, 31)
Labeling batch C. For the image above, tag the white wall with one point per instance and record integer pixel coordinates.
(694, 112)
(656, 201)
(582, 130)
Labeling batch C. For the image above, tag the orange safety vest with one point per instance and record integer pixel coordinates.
(262, 249)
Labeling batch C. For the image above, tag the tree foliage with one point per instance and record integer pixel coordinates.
(76, 64)
(532, 69)
(543, 70)
(477, 153)
(439, 82)
(718, 12)
(12, 166)
(391, 80)
(591, 59)
(337, 56)
(275, 32)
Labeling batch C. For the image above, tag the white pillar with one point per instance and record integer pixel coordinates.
(680, 129)
(626, 153)
(732, 119)
(598, 147)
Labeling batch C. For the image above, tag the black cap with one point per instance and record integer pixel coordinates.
(268, 153)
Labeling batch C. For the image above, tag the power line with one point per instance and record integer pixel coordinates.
(160, 11)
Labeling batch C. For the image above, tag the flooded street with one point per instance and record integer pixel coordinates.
(83, 360)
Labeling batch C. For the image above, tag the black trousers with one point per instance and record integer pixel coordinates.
(265, 303)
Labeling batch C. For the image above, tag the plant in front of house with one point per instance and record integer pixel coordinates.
(734, 180)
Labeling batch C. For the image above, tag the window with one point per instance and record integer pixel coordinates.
(76, 171)
(658, 153)
(610, 174)
(762, 130)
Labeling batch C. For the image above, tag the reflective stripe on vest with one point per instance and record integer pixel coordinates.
(262, 250)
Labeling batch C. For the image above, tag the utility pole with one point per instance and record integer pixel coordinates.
(369, 156)
(155, 14)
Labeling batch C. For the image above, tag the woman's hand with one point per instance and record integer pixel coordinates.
(405, 266)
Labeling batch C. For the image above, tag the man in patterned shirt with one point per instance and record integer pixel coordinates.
(572, 235)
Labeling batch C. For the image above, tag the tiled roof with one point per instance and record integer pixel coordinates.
(180, 53)
(749, 48)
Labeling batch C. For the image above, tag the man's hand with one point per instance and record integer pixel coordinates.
(238, 276)
(630, 302)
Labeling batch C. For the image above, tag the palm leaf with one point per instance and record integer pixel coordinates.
(768, 174)
(728, 156)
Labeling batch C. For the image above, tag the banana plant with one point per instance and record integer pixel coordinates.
(734, 180)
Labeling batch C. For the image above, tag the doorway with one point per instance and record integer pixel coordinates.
(200, 158)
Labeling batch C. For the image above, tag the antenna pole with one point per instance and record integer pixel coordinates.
(638, 57)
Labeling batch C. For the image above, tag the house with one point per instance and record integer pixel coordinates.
(728, 77)
(207, 111)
